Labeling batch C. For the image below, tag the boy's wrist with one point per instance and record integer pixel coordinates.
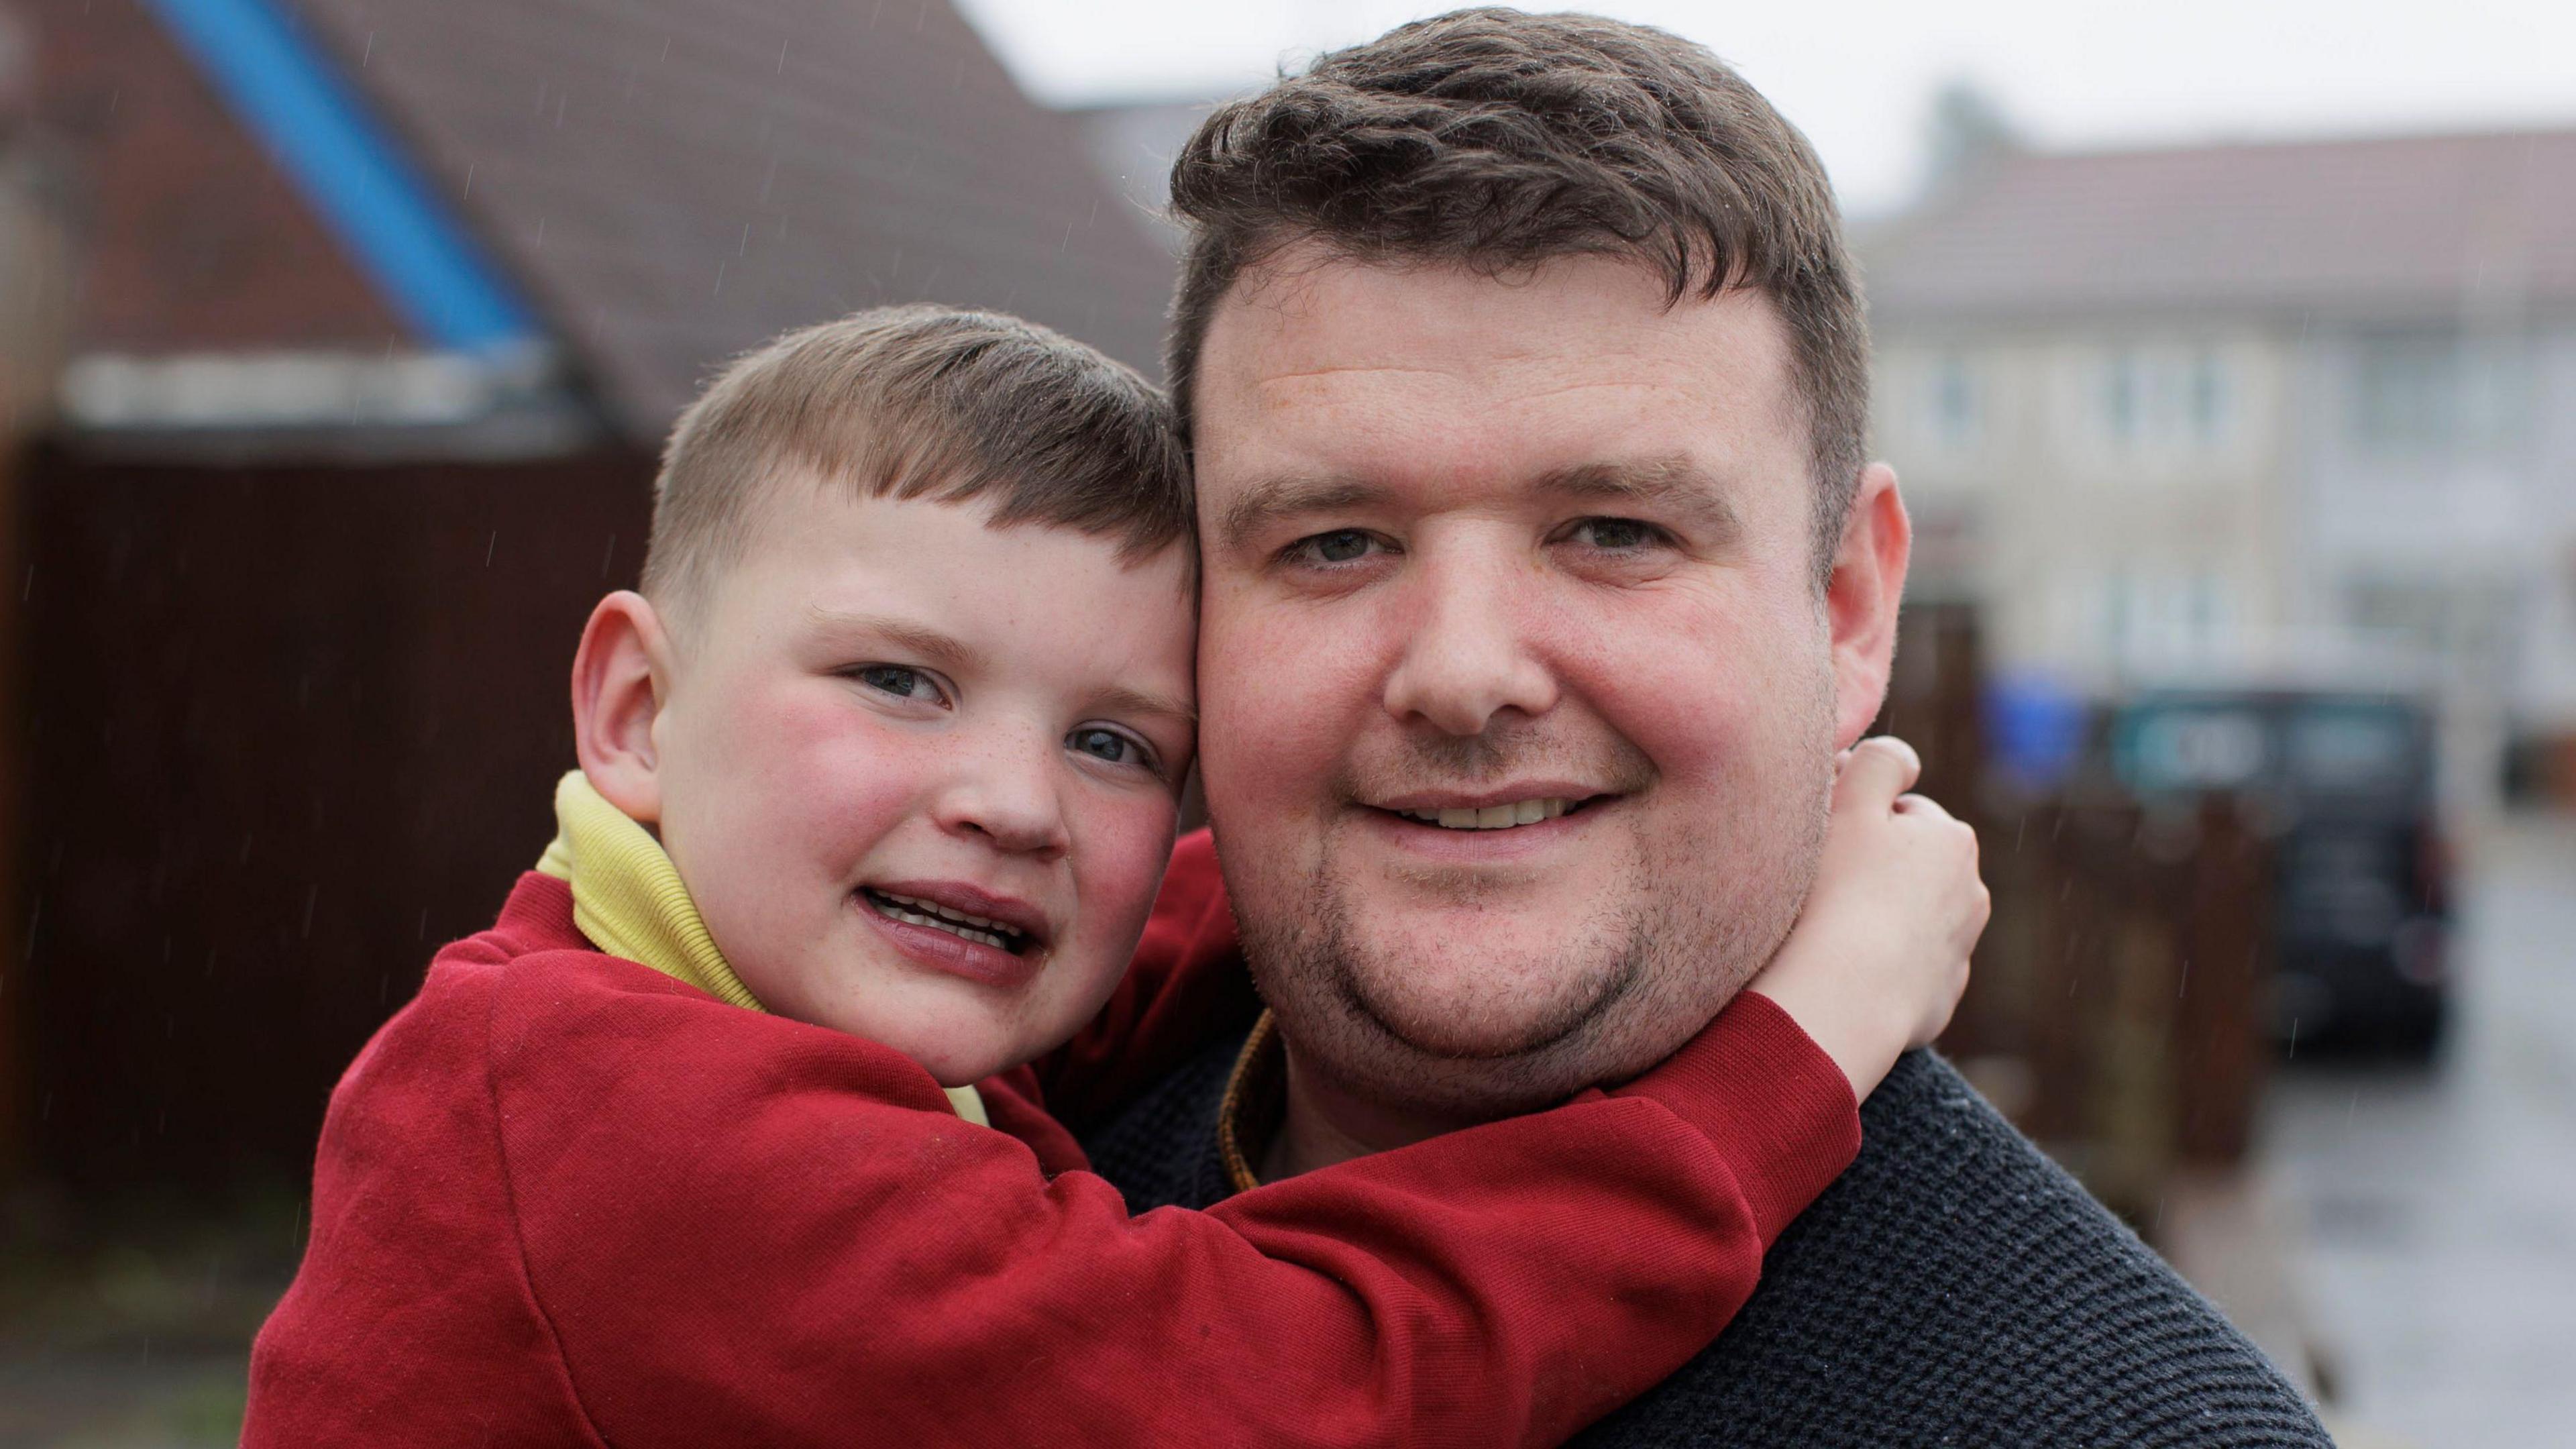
(1851, 1032)
(1770, 1097)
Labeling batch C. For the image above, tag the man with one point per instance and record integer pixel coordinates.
(1527, 377)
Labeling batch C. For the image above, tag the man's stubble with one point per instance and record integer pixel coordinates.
(1631, 985)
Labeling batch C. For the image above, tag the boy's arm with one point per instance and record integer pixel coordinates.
(1185, 987)
(789, 1239)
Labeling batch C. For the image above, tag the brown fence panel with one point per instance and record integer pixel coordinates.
(285, 730)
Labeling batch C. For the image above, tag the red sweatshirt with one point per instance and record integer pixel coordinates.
(564, 1199)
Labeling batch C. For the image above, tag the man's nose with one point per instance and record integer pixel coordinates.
(1467, 655)
(1004, 793)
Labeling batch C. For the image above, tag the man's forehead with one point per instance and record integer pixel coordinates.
(1306, 327)
(1325, 367)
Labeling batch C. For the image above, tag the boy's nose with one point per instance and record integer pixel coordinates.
(1008, 797)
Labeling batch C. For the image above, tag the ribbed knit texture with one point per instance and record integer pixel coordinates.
(1953, 1288)
(629, 900)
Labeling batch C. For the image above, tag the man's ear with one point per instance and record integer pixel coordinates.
(619, 679)
(1861, 600)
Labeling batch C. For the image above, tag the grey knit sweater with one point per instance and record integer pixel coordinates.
(1953, 1288)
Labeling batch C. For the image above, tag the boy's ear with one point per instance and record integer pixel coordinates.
(1862, 597)
(620, 677)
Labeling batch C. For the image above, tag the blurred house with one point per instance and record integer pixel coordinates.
(378, 315)
(2281, 411)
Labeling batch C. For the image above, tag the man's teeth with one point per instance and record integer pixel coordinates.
(1492, 817)
(930, 913)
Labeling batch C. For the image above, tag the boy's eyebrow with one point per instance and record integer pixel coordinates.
(958, 657)
(943, 650)
(1123, 700)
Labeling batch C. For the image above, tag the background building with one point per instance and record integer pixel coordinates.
(2287, 410)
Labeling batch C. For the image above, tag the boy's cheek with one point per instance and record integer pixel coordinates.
(1122, 859)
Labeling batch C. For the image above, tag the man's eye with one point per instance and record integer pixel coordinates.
(1339, 546)
(1107, 744)
(902, 682)
(1617, 535)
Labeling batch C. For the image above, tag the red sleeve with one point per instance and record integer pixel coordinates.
(777, 1234)
(1186, 986)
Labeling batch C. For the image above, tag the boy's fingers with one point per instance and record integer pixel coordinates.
(1882, 767)
(1913, 804)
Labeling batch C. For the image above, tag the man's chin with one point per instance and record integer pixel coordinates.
(1489, 1025)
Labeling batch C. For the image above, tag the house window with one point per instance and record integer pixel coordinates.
(2124, 402)
(2167, 398)
(2209, 397)
(2425, 390)
(1953, 401)
(2406, 394)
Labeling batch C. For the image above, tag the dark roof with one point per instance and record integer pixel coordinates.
(675, 181)
(2394, 227)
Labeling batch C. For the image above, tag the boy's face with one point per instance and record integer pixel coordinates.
(888, 713)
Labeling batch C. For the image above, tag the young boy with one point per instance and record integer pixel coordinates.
(734, 1128)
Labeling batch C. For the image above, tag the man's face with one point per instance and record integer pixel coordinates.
(1533, 550)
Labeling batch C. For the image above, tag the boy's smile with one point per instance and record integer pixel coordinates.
(921, 774)
(931, 921)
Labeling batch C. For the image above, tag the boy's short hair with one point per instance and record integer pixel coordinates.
(919, 402)
(1498, 140)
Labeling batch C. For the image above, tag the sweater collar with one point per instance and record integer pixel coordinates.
(1255, 1102)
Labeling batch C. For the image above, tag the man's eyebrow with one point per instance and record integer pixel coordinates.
(1673, 485)
(946, 651)
(1270, 499)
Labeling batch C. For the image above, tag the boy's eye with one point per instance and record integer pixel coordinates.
(902, 682)
(1342, 545)
(1617, 535)
(1106, 744)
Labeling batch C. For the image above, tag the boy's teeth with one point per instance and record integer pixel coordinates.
(957, 923)
(936, 909)
(1492, 817)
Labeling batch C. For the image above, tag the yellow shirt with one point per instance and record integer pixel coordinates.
(629, 900)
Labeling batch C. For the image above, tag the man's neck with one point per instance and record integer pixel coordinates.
(1326, 1123)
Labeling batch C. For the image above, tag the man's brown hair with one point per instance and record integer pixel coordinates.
(1500, 140)
(919, 402)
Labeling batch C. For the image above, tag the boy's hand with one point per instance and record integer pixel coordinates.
(1880, 954)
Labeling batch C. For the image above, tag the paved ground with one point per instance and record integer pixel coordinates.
(2432, 1215)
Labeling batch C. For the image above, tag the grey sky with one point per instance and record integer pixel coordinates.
(1859, 75)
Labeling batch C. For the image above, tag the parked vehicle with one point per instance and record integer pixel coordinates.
(2344, 780)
